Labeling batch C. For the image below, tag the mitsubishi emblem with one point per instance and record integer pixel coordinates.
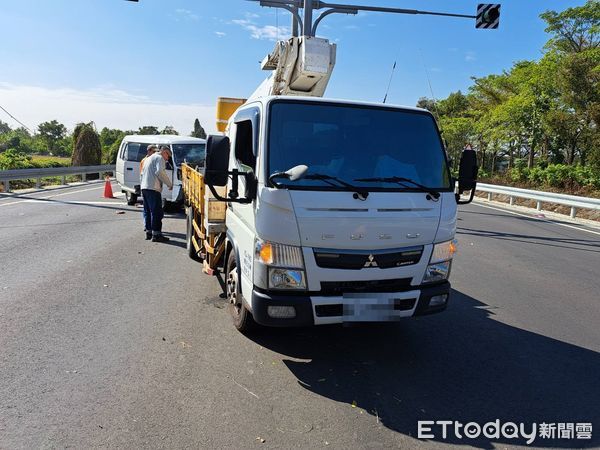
(371, 262)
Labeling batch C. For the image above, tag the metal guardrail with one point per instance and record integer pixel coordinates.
(6, 176)
(540, 197)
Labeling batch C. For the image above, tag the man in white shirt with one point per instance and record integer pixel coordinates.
(153, 177)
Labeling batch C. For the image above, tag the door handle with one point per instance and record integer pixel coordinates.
(130, 168)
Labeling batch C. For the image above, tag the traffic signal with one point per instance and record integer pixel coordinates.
(488, 15)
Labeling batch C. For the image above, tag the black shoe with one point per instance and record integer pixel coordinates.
(160, 238)
(148, 236)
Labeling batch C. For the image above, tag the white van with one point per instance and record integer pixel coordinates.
(133, 149)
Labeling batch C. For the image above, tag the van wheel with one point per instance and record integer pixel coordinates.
(189, 233)
(131, 198)
(242, 318)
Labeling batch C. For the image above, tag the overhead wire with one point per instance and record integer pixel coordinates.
(15, 119)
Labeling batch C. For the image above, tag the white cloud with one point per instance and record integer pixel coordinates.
(220, 34)
(187, 14)
(470, 56)
(268, 32)
(106, 106)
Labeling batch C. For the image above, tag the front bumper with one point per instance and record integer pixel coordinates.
(317, 310)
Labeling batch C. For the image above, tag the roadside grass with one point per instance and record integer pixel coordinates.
(50, 161)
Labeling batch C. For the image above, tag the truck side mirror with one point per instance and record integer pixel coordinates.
(467, 175)
(217, 172)
(217, 160)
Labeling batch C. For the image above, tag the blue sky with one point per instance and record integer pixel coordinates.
(164, 62)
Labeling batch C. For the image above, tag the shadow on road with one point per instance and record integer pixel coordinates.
(570, 243)
(460, 365)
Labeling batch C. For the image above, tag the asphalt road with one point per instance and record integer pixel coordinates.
(108, 340)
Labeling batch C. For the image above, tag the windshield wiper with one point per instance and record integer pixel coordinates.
(402, 182)
(329, 178)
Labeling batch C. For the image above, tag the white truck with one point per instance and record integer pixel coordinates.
(334, 210)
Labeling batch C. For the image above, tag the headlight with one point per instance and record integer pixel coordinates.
(437, 272)
(286, 278)
(440, 262)
(278, 266)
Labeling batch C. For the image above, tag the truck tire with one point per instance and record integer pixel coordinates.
(131, 198)
(191, 250)
(242, 318)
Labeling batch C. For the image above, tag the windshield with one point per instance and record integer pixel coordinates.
(350, 142)
(193, 154)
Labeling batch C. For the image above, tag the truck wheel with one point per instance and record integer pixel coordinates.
(242, 318)
(190, 231)
(131, 198)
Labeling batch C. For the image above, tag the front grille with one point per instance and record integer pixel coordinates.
(346, 287)
(356, 260)
(329, 310)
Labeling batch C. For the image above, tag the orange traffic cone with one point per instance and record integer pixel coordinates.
(108, 193)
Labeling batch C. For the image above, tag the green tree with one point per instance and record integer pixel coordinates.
(13, 159)
(198, 130)
(148, 130)
(4, 128)
(87, 151)
(574, 30)
(51, 133)
(19, 140)
(169, 130)
(109, 136)
(426, 103)
(110, 139)
(575, 44)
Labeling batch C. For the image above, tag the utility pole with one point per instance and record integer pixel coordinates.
(308, 14)
(294, 21)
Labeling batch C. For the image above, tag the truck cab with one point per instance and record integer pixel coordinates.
(337, 211)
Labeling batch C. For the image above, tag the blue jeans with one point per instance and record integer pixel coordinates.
(153, 211)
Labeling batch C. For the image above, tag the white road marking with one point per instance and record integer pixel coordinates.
(536, 218)
(72, 202)
(52, 196)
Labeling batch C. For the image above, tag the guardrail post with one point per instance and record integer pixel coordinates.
(6, 185)
(511, 200)
(38, 183)
(83, 177)
(63, 180)
(489, 196)
(573, 212)
(538, 206)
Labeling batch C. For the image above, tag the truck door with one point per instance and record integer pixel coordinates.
(120, 164)
(170, 195)
(244, 135)
(133, 153)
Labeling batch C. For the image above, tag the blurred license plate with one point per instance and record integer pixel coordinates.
(368, 307)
